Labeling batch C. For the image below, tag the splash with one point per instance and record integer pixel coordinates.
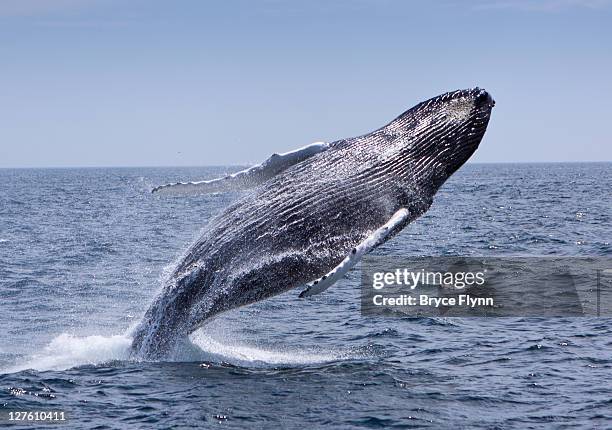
(67, 351)
(204, 347)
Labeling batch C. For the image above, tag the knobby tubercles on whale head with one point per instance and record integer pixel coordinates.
(439, 135)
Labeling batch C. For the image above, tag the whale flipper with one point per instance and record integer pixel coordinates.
(247, 178)
(372, 241)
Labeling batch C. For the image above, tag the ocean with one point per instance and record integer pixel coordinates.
(84, 251)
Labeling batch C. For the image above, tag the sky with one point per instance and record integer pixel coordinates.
(172, 83)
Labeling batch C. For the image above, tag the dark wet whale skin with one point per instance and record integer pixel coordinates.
(303, 222)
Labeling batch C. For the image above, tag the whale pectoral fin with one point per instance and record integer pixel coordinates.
(247, 178)
(372, 241)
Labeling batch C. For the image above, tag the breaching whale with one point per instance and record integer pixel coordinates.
(309, 215)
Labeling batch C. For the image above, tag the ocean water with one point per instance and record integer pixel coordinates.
(84, 251)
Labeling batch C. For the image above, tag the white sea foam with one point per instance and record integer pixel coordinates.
(67, 351)
(204, 347)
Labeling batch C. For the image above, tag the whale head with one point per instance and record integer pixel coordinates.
(439, 135)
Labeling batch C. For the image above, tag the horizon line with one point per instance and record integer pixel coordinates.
(161, 166)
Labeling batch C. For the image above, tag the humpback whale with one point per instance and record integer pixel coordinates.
(309, 215)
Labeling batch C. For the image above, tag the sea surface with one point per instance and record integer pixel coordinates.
(84, 251)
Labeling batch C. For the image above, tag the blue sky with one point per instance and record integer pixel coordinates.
(146, 83)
